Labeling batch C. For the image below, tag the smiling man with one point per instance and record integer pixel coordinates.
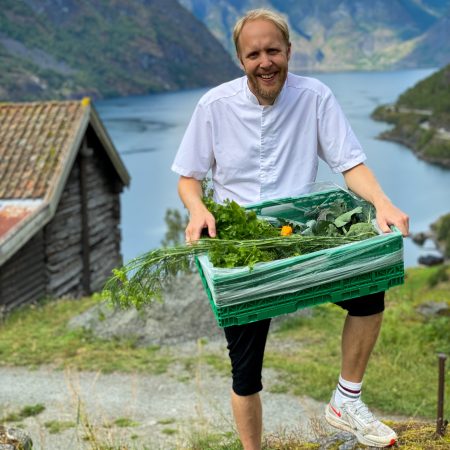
(264, 51)
(261, 136)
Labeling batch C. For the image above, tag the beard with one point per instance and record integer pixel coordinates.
(269, 94)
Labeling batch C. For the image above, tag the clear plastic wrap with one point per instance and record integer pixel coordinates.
(284, 276)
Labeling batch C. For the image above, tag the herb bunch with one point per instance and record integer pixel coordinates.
(235, 224)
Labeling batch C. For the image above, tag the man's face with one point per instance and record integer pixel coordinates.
(264, 56)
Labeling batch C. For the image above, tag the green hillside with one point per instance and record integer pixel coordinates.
(421, 118)
(60, 49)
(433, 93)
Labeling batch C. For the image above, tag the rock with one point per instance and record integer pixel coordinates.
(185, 314)
(14, 439)
(420, 238)
(434, 309)
(339, 441)
(431, 260)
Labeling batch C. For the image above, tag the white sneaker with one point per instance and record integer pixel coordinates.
(356, 418)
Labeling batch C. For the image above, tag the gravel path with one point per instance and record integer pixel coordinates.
(166, 411)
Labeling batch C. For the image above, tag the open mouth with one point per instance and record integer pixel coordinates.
(267, 76)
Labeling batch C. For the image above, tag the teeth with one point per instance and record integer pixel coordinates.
(266, 77)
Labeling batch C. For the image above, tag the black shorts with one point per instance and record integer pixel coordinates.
(246, 343)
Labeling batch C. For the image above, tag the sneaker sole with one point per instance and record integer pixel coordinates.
(336, 423)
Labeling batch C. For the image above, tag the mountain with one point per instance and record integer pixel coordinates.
(337, 35)
(421, 118)
(432, 49)
(71, 48)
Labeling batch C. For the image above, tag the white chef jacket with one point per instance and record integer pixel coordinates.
(257, 152)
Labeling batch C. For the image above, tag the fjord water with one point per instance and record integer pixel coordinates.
(147, 130)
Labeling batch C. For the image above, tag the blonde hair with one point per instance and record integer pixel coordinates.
(260, 14)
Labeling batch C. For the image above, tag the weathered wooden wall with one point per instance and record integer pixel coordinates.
(64, 264)
(64, 235)
(51, 264)
(22, 277)
(103, 206)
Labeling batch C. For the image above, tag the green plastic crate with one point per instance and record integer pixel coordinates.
(367, 280)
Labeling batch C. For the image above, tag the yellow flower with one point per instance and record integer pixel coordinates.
(86, 101)
(286, 230)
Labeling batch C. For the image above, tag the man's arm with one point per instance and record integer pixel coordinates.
(190, 191)
(362, 182)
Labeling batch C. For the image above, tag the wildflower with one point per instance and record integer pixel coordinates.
(286, 230)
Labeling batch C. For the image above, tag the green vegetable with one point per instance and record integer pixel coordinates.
(235, 223)
(243, 239)
(362, 229)
(345, 218)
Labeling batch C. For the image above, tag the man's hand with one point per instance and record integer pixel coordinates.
(362, 182)
(388, 214)
(198, 221)
(190, 191)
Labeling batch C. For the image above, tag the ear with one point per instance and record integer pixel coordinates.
(289, 51)
(241, 64)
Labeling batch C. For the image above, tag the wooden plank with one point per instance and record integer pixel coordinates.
(22, 277)
(85, 154)
(63, 241)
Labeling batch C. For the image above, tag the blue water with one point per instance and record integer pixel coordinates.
(147, 130)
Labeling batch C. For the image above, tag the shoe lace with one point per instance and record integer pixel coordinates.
(361, 409)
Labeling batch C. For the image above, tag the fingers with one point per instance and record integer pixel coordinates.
(403, 226)
(401, 222)
(211, 225)
(192, 235)
(196, 226)
(384, 227)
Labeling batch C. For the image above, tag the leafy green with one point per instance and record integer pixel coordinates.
(235, 223)
(331, 212)
(345, 218)
(362, 228)
(333, 220)
(326, 228)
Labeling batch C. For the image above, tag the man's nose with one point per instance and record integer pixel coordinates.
(265, 61)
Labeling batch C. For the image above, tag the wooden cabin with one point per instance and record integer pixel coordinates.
(60, 185)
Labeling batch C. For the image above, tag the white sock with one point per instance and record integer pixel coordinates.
(347, 391)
